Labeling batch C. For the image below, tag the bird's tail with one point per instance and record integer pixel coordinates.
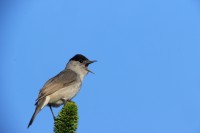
(37, 110)
(39, 105)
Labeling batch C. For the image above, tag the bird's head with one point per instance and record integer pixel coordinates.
(80, 63)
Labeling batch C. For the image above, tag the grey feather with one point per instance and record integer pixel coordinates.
(37, 110)
(63, 79)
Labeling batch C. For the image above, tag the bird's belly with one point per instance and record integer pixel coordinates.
(63, 95)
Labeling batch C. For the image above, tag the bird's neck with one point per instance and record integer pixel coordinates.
(77, 68)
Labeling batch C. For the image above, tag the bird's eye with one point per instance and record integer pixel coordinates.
(81, 61)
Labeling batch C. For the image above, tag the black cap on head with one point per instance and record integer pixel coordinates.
(79, 58)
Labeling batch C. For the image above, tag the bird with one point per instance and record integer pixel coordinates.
(64, 86)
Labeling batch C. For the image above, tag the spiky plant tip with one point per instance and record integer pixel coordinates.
(67, 120)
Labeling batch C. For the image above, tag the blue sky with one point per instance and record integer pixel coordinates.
(148, 71)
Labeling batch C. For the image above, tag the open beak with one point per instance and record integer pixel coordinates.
(88, 62)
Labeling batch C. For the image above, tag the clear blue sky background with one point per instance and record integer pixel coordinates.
(148, 71)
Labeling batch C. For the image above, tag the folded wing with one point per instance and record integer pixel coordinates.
(63, 79)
